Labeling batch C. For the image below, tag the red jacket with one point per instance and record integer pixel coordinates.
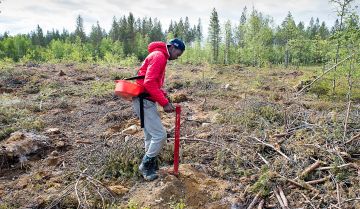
(153, 68)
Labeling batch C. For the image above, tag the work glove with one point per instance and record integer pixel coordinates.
(169, 108)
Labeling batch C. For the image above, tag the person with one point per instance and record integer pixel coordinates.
(153, 68)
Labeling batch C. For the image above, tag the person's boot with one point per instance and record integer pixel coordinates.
(156, 166)
(147, 168)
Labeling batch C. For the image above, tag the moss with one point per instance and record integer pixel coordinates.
(263, 184)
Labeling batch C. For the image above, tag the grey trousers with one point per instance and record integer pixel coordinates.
(154, 131)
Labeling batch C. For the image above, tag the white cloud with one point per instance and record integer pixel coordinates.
(22, 16)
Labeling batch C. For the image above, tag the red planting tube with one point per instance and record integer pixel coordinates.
(177, 139)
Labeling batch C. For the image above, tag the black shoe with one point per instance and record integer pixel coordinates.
(156, 166)
(147, 168)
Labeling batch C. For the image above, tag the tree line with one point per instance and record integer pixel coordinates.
(254, 40)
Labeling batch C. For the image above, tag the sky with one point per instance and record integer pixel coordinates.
(22, 16)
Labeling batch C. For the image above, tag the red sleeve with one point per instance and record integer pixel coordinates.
(152, 79)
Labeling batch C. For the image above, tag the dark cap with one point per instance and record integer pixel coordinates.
(178, 43)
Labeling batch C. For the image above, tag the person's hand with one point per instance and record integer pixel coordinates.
(169, 108)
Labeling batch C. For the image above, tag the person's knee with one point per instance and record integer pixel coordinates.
(161, 135)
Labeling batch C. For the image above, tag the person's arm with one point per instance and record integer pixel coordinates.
(151, 81)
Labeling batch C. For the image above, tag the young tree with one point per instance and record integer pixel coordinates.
(343, 9)
(287, 31)
(228, 42)
(156, 33)
(129, 41)
(199, 34)
(180, 30)
(114, 31)
(324, 31)
(79, 31)
(187, 31)
(37, 37)
(214, 35)
(240, 31)
(96, 35)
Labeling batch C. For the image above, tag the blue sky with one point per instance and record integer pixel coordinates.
(22, 16)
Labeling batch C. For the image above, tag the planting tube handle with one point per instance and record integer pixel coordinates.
(177, 139)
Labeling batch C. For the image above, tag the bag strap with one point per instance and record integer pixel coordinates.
(135, 77)
(142, 96)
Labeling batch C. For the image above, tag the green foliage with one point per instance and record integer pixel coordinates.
(178, 205)
(15, 47)
(214, 36)
(101, 88)
(263, 184)
(120, 165)
(255, 41)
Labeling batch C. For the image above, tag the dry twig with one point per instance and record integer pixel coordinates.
(309, 169)
(301, 185)
(283, 197)
(282, 205)
(254, 201)
(261, 204)
(353, 138)
(318, 181)
(271, 146)
(308, 201)
(340, 166)
(263, 159)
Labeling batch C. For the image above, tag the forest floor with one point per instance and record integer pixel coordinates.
(247, 140)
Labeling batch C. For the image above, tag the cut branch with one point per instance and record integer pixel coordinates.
(353, 138)
(303, 185)
(283, 197)
(340, 166)
(318, 181)
(254, 201)
(310, 169)
(282, 205)
(271, 146)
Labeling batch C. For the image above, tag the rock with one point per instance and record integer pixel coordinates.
(180, 97)
(205, 125)
(53, 131)
(118, 189)
(61, 73)
(131, 130)
(52, 161)
(60, 144)
(23, 143)
(54, 153)
(227, 87)
(22, 182)
(127, 138)
(203, 135)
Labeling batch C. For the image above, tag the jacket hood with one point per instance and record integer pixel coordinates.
(159, 46)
